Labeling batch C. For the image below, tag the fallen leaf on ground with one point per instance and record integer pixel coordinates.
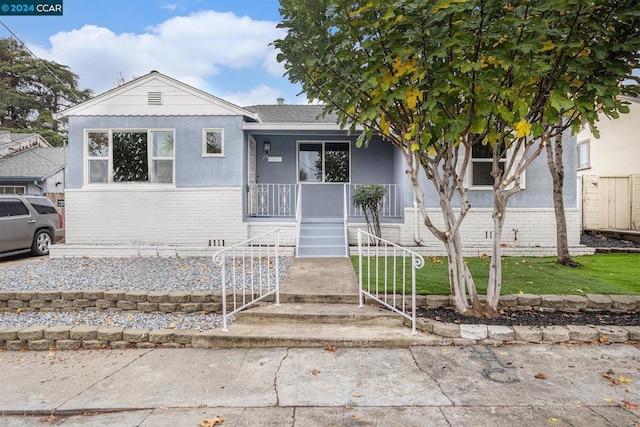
(603, 339)
(554, 420)
(541, 376)
(630, 405)
(49, 419)
(171, 326)
(624, 380)
(212, 422)
(608, 400)
(315, 372)
(330, 348)
(357, 395)
(357, 417)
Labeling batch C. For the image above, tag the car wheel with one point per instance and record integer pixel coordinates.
(41, 243)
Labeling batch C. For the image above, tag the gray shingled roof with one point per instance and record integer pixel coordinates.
(33, 163)
(16, 137)
(292, 114)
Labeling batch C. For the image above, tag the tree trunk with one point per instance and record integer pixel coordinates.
(556, 167)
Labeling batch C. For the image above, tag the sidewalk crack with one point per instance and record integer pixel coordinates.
(415, 361)
(275, 377)
(102, 379)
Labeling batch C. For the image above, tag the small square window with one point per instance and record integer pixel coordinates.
(213, 143)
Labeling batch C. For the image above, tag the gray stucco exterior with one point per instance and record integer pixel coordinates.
(191, 168)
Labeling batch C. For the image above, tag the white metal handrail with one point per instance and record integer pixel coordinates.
(273, 200)
(250, 270)
(384, 282)
(391, 203)
(345, 218)
(298, 216)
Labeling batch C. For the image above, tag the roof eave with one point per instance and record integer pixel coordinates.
(295, 127)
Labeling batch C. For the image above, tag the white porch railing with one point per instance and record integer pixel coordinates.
(391, 204)
(250, 273)
(387, 274)
(273, 200)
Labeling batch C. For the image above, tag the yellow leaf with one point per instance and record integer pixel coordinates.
(521, 292)
(431, 151)
(171, 326)
(554, 420)
(624, 380)
(547, 45)
(212, 422)
(522, 128)
(608, 400)
(415, 147)
(444, 350)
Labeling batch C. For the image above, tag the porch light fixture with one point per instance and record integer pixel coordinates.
(266, 147)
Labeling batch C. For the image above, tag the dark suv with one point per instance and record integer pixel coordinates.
(28, 224)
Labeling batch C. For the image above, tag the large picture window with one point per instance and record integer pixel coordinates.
(323, 162)
(130, 156)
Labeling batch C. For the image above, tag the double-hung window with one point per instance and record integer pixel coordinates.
(583, 155)
(213, 142)
(323, 162)
(130, 156)
(481, 164)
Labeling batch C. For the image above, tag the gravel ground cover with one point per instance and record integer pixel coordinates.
(594, 240)
(201, 322)
(126, 274)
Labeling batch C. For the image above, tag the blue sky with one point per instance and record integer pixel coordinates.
(219, 46)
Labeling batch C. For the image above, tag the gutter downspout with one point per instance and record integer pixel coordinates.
(42, 192)
(416, 235)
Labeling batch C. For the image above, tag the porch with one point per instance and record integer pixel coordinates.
(321, 213)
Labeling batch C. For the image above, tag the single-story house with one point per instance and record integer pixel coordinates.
(29, 165)
(158, 162)
(610, 171)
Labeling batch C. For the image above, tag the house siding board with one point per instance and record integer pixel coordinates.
(163, 217)
(191, 168)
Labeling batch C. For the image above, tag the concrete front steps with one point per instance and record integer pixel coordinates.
(318, 308)
(322, 237)
(315, 325)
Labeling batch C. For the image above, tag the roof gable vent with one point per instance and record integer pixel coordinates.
(154, 98)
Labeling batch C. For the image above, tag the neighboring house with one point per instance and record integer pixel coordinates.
(158, 162)
(32, 169)
(610, 171)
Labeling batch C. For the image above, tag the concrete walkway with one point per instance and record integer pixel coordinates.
(417, 386)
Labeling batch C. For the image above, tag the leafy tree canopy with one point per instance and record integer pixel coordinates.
(32, 90)
(433, 72)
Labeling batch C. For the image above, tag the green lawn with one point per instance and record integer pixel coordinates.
(613, 274)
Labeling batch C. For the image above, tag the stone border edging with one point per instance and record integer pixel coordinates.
(39, 338)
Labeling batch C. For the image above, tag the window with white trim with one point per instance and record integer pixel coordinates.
(481, 164)
(130, 156)
(584, 161)
(323, 162)
(213, 142)
(12, 189)
(478, 176)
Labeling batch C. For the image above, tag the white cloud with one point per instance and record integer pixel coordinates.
(189, 48)
(169, 7)
(258, 95)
